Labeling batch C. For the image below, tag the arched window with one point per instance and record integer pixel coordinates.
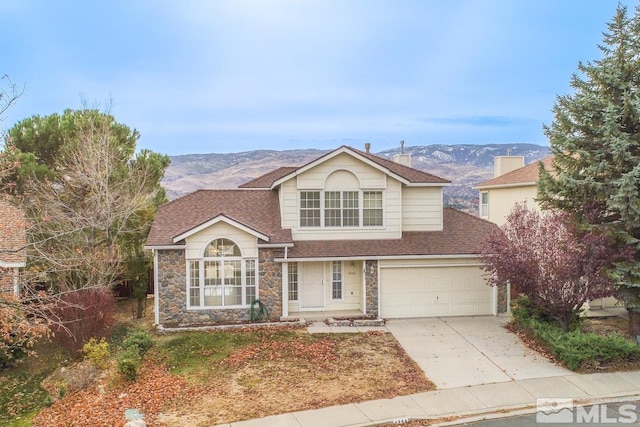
(222, 278)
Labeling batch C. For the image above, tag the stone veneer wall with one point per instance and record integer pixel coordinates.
(371, 286)
(502, 298)
(172, 292)
(270, 280)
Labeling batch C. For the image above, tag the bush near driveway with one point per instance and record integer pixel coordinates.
(576, 349)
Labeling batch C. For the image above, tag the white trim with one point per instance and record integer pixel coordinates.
(285, 289)
(358, 156)
(494, 294)
(377, 258)
(379, 292)
(164, 247)
(275, 245)
(341, 299)
(363, 303)
(217, 219)
(201, 282)
(515, 184)
(479, 264)
(156, 289)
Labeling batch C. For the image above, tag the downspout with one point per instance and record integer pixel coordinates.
(285, 285)
(364, 287)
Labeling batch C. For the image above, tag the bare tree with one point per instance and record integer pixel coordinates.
(8, 96)
(79, 219)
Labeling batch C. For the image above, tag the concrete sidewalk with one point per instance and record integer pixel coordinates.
(473, 402)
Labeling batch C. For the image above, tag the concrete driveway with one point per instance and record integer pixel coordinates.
(464, 351)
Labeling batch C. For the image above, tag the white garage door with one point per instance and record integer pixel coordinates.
(434, 291)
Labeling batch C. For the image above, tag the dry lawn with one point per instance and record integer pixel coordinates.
(209, 378)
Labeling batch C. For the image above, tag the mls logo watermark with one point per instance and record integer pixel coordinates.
(562, 410)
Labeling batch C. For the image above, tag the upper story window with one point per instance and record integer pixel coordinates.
(222, 277)
(341, 208)
(309, 209)
(484, 204)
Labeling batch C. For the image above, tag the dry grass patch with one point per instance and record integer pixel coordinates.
(289, 371)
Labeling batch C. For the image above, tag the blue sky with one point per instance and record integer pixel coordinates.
(235, 75)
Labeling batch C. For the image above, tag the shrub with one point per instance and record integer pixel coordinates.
(96, 352)
(19, 331)
(83, 314)
(129, 362)
(577, 349)
(140, 340)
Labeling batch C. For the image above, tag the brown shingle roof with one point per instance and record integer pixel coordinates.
(412, 175)
(267, 180)
(13, 237)
(256, 209)
(525, 175)
(462, 234)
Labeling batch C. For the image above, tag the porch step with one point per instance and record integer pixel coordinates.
(355, 322)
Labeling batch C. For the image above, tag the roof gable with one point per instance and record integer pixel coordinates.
(256, 211)
(221, 218)
(405, 174)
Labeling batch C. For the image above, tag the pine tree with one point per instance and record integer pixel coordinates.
(595, 140)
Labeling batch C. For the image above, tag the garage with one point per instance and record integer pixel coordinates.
(434, 290)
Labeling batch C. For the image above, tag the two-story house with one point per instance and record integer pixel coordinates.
(349, 233)
(513, 182)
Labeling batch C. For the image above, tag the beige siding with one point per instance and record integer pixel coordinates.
(502, 201)
(345, 173)
(422, 208)
(289, 204)
(351, 287)
(368, 176)
(197, 242)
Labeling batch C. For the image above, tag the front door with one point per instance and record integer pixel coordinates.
(311, 286)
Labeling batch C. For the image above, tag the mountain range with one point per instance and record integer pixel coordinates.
(465, 165)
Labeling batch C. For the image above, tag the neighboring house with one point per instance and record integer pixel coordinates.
(13, 254)
(349, 234)
(512, 183)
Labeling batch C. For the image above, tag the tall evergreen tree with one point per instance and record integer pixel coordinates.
(595, 140)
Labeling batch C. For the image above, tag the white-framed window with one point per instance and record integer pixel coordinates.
(352, 208)
(222, 278)
(336, 280)
(372, 208)
(484, 204)
(341, 209)
(310, 209)
(293, 281)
